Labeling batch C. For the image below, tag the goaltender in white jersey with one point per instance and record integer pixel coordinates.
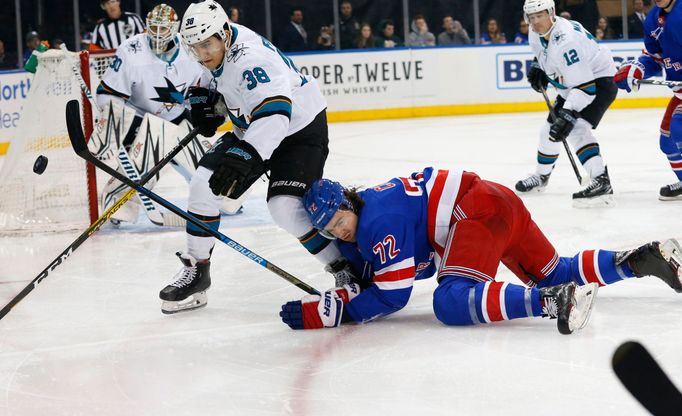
(150, 75)
(569, 57)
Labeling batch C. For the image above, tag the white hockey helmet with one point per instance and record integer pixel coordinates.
(203, 20)
(162, 26)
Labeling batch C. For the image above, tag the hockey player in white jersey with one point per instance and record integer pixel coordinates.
(568, 57)
(280, 126)
(151, 73)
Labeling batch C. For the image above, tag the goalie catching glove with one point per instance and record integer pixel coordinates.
(238, 168)
(208, 110)
(315, 312)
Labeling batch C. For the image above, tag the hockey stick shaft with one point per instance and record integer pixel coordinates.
(568, 149)
(124, 160)
(670, 84)
(647, 382)
(81, 149)
(99, 222)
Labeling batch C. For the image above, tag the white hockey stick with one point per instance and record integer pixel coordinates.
(670, 84)
(154, 215)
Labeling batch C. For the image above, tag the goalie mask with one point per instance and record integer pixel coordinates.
(202, 21)
(162, 26)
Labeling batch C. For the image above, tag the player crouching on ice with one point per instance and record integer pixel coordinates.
(568, 57)
(458, 227)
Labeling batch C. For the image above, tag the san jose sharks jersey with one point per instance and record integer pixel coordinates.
(663, 44)
(148, 83)
(401, 235)
(572, 60)
(268, 99)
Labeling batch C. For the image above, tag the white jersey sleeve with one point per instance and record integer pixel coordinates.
(117, 80)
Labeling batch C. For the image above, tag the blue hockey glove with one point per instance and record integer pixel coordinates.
(315, 312)
(627, 74)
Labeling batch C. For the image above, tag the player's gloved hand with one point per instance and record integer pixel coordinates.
(537, 78)
(208, 109)
(343, 274)
(314, 312)
(563, 124)
(627, 74)
(239, 167)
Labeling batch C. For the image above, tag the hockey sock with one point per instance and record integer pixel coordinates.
(199, 242)
(588, 266)
(671, 143)
(461, 301)
(591, 159)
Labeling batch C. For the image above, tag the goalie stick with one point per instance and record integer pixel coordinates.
(97, 224)
(578, 176)
(73, 124)
(154, 215)
(645, 380)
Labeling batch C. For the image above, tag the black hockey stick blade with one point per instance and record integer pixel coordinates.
(646, 381)
(73, 125)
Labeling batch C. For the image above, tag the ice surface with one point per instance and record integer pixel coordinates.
(91, 340)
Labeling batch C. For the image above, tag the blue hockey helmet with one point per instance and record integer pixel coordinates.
(322, 201)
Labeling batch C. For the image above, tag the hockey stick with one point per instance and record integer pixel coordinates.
(77, 137)
(100, 221)
(568, 149)
(671, 84)
(646, 381)
(128, 167)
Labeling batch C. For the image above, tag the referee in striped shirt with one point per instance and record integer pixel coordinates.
(116, 27)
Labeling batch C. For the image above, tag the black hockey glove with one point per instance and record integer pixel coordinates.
(239, 167)
(208, 110)
(563, 124)
(537, 78)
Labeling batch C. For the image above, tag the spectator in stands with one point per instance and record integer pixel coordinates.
(325, 40)
(604, 30)
(636, 20)
(7, 60)
(493, 35)
(56, 43)
(365, 38)
(32, 42)
(566, 15)
(386, 37)
(233, 14)
(420, 35)
(294, 38)
(348, 26)
(522, 35)
(116, 27)
(453, 33)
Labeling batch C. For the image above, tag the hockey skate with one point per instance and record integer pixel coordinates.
(188, 291)
(671, 192)
(570, 304)
(656, 259)
(597, 193)
(534, 183)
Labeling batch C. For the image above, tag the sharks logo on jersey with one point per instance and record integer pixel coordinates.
(170, 95)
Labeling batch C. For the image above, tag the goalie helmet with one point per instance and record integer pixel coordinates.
(203, 20)
(162, 26)
(322, 201)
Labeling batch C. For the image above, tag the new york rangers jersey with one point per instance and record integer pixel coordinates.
(401, 234)
(148, 83)
(663, 44)
(267, 97)
(572, 60)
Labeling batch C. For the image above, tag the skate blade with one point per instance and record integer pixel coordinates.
(672, 252)
(670, 198)
(532, 191)
(580, 314)
(596, 202)
(196, 301)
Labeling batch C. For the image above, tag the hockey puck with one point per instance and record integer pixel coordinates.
(40, 165)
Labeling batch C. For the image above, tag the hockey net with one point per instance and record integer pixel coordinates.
(64, 197)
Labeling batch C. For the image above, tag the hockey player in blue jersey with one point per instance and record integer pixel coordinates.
(279, 126)
(662, 54)
(458, 227)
